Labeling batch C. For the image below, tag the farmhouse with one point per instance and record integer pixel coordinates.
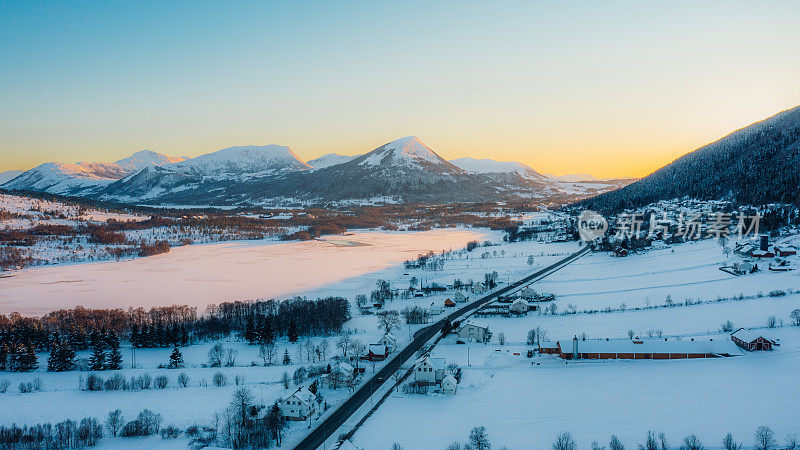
(478, 288)
(429, 370)
(528, 293)
(519, 306)
(762, 254)
(449, 303)
(785, 250)
(436, 310)
(340, 376)
(299, 406)
(449, 385)
(637, 348)
(752, 341)
(459, 297)
(376, 352)
(474, 331)
(388, 341)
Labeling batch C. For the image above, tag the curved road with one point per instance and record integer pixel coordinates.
(329, 426)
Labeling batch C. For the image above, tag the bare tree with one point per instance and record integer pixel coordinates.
(230, 357)
(501, 338)
(388, 320)
(615, 443)
(596, 446)
(322, 348)
(478, 439)
(115, 422)
(650, 442)
(357, 349)
(343, 344)
(729, 444)
(564, 441)
(308, 346)
(267, 353)
(215, 355)
(765, 439)
(791, 442)
(662, 440)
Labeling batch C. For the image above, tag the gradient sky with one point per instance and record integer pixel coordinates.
(607, 88)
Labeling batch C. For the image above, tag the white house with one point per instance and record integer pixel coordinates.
(528, 293)
(299, 406)
(449, 385)
(459, 297)
(478, 288)
(429, 370)
(474, 331)
(436, 310)
(389, 341)
(340, 376)
(518, 306)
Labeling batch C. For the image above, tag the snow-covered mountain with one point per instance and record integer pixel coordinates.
(407, 152)
(9, 175)
(146, 158)
(403, 170)
(331, 159)
(492, 166)
(573, 177)
(84, 178)
(244, 160)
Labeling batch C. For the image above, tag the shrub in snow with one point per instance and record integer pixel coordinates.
(146, 423)
(116, 383)
(183, 379)
(692, 442)
(161, 382)
(94, 383)
(4, 386)
(219, 379)
(31, 386)
(170, 432)
(62, 435)
(727, 326)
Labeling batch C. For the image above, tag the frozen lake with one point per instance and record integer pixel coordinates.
(200, 275)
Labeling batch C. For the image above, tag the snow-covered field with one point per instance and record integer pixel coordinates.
(526, 403)
(200, 275)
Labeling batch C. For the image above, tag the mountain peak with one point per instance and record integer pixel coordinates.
(403, 152)
(246, 159)
(146, 158)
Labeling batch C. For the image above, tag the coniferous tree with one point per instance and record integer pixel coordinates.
(98, 359)
(249, 332)
(286, 358)
(175, 359)
(27, 359)
(114, 356)
(53, 363)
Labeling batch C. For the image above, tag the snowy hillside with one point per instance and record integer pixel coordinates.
(146, 158)
(84, 178)
(9, 175)
(407, 151)
(492, 166)
(331, 159)
(244, 160)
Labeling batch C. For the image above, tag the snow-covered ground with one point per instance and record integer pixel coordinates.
(526, 403)
(523, 402)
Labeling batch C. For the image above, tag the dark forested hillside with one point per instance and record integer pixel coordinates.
(755, 165)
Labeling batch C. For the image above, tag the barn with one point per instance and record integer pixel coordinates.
(752, 341)
(449, 303)
(648, 349)
(549, 348)
(785, 250)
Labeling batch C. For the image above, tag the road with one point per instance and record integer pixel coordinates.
(329, 426)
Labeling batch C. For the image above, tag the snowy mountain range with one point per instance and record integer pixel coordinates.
(404, 170)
